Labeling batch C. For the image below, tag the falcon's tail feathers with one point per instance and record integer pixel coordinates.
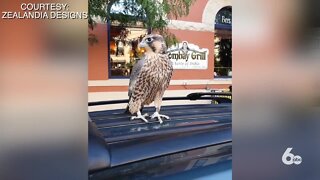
(134, 106)
(127, 110)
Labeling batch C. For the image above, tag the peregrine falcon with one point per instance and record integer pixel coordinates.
(152, 79)
(133, 77)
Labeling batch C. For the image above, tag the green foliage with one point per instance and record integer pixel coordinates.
(153, 14)
(97, 8)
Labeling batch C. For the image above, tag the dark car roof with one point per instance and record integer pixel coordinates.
(189, 127)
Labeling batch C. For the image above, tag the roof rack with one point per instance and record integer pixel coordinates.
(220, 97)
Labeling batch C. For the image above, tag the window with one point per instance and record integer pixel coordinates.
(124, 51)
(223, 43)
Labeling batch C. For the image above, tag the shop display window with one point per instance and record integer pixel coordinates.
(124, 50)
(223, 43)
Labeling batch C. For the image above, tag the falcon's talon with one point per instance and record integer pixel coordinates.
(145, 115)
(158, 116)
(139, 116)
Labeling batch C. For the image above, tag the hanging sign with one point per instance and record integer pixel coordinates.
(188, 56)
(224, 18)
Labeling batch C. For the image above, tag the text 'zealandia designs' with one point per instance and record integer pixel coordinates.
(188, 56)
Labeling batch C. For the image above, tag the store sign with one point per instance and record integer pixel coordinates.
(188, 56)
(224, 18)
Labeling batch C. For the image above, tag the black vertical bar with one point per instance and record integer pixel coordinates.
(108, 46)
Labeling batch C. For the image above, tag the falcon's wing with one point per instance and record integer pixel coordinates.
(134, 75)
(170, 70)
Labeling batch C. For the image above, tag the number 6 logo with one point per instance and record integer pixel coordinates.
(288, 158)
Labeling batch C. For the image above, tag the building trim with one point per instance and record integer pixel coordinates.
(211, 10)
(171, 87)
(125, 82)
(192, 26)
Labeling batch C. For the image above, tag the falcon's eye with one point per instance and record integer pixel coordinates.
(149, 39)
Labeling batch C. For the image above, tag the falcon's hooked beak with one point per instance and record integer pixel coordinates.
(142, 44)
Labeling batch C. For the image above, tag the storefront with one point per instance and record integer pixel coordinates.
(202, 59)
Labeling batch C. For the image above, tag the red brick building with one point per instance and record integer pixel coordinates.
(200, 28)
